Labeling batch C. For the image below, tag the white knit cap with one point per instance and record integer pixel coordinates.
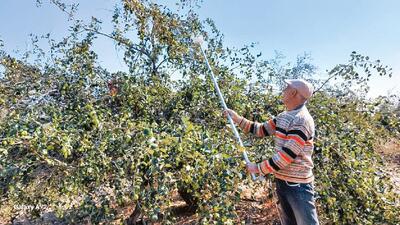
(304, 88)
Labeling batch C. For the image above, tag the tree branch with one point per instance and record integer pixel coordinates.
(334, 75)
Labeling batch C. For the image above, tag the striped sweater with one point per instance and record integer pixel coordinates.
(293, 133)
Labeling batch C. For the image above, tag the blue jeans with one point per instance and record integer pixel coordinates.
(296, 203)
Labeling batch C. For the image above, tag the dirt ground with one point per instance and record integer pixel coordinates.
(250, 212)
(254, 208)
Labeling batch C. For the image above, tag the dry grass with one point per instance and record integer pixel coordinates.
(390, 152)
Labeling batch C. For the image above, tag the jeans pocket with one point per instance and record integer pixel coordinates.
(307, 190)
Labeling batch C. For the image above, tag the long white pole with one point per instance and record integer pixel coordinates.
(225, 108)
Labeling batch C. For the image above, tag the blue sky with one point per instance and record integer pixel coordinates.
(328, 30)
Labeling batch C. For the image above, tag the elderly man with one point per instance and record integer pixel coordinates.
(292, 164)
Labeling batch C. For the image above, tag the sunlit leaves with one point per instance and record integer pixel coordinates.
(83, 142)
